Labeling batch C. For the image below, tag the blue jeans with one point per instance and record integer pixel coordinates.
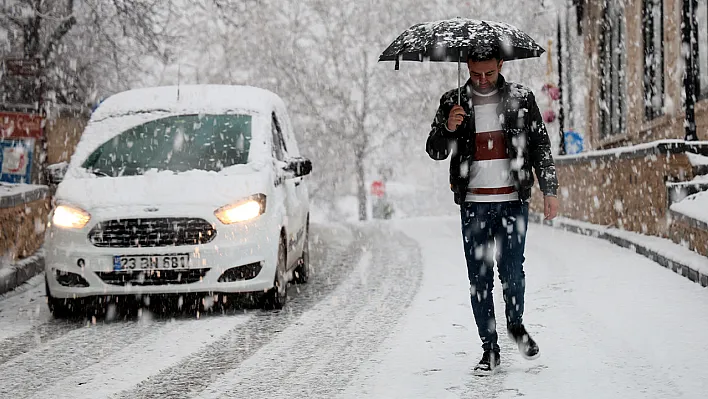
(483, 225)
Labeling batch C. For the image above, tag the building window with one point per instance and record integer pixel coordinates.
(701, 14)
(613, 61)
(653, 26)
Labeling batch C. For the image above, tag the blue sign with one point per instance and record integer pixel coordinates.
(98, 104)
(16, 160)
(573, 142)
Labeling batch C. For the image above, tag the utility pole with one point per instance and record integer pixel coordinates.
(561, 115)
(689, 45)
(569, 67)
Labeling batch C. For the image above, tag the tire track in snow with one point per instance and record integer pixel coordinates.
(25, 321)
(333, 251)
(18, 345)
(317, 357)
(51, 352)
(146, 356)
(81, 348)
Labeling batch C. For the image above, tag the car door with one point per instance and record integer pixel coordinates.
(287, 187)
(301, 191)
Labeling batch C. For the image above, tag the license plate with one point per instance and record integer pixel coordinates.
(151, 262)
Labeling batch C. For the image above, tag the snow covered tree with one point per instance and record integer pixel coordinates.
(83, 47)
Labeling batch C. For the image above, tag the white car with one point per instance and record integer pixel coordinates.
(190, 189)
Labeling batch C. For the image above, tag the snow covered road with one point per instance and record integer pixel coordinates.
(386, 315)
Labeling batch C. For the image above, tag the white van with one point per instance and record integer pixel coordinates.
(190, 189)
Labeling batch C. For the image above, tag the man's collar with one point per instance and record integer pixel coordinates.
(501, 85)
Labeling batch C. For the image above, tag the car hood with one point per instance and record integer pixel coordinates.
(192, 188)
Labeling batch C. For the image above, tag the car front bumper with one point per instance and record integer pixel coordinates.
(244, 246)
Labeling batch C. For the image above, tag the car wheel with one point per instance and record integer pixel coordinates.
(302, 272)
(62, 308)
(276, 297)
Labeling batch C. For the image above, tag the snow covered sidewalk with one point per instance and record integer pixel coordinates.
(610, 324)
(663, 251)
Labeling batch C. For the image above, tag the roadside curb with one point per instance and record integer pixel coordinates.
(679, 267)
(34, 194)
(16, 274)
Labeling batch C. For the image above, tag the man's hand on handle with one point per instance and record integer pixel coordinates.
(550, 207)
(454, 120)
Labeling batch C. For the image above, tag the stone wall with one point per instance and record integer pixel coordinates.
(620, 189)
(689, 232)
(63, 133)
(626, 189)
(23, 220)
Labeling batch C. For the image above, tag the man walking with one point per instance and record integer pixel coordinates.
(495, 137)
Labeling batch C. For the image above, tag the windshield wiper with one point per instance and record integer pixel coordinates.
(99, 173)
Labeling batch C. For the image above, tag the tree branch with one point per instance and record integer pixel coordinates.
(13, 20)
(57, 35)
(8, 13)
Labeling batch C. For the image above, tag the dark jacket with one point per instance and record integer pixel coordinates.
(527, 141)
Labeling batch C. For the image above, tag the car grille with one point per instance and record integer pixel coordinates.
(154, 277)
(151, 232)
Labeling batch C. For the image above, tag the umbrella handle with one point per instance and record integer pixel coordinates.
(459, 77)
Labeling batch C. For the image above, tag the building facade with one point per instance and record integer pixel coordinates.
(641, 70)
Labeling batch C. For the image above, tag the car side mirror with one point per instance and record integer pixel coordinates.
(300, 166)
(56, 172)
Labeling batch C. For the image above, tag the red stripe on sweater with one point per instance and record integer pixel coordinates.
(492, 191)
(490, 146)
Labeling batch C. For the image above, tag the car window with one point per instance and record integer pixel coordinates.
(288, 135)
(176, 143)
(279, 147)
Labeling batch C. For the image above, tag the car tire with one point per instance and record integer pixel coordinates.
(276, 297)
(302, 271)
(62, 308)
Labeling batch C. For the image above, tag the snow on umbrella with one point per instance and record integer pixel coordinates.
(452, 40)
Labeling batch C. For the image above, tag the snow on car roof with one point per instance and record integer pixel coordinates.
(134, 107)
(191, 99)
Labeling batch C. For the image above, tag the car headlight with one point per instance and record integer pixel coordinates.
(70, 217)
(242, 211)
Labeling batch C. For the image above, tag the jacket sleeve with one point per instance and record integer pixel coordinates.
(440, 140)
(540, 150)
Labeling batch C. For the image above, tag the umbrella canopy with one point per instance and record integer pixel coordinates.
(452, 40)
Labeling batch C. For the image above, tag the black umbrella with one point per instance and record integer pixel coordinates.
(452, 40)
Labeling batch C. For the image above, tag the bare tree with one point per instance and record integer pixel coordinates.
(85, 47)
(352, 114)
(321, 56)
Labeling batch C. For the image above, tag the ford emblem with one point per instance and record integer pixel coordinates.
(152, 209)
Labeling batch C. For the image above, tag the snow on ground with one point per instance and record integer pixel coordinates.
(700, 178)
(159, 346)
(387, 315)
(12, 189)
(662, 246)
(697, 159)
(429, 196)
(610, 323)
(694, 206)
(21, 310)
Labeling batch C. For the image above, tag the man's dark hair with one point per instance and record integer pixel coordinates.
(484, 53)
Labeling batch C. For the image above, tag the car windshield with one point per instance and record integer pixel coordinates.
(176, 143)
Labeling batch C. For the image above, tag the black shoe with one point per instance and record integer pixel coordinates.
(490, 361)
(527, 346)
